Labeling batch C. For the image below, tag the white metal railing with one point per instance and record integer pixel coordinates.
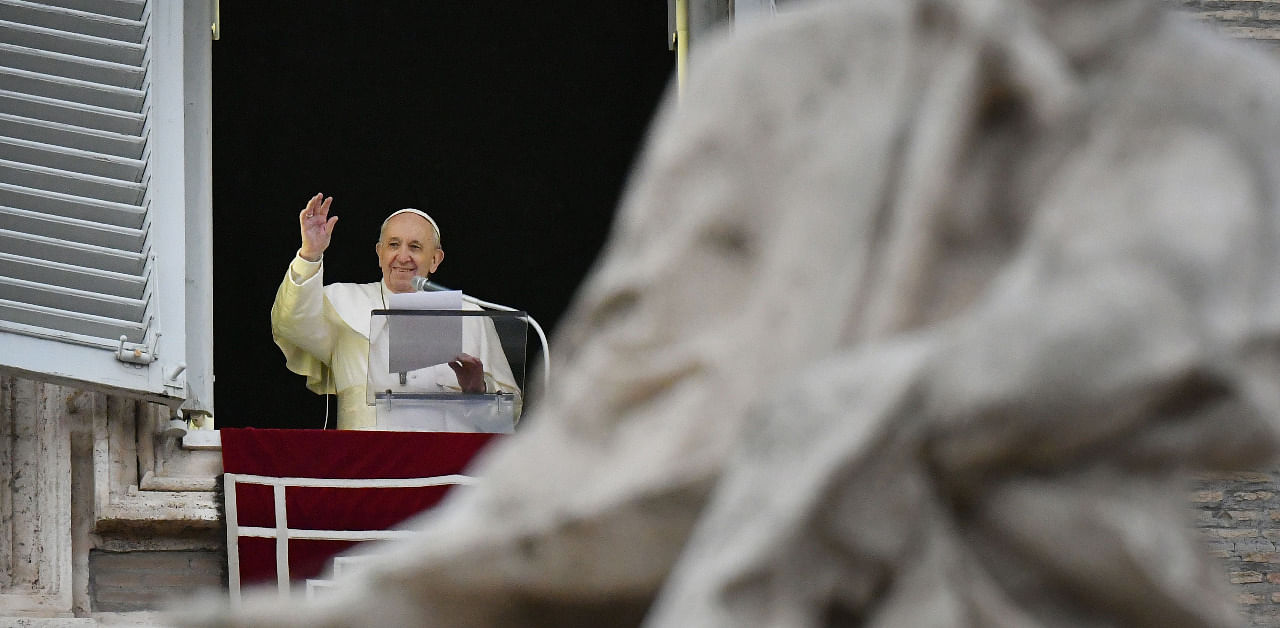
(282, 532)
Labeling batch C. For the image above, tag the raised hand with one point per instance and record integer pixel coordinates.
(317, 227)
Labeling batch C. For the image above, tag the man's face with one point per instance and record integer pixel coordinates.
(407, 248)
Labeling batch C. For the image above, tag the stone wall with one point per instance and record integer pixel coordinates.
(1244, 19)
(102, 513)
(142, 580)
(1239, 516)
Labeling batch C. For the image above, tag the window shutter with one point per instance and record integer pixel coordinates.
(103, 171)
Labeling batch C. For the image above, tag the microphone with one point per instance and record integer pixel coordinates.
(422, 284)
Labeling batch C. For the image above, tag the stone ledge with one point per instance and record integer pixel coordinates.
(160, 511)
(201, 440)
(47, 622)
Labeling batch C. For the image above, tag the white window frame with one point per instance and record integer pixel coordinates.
(179, 213)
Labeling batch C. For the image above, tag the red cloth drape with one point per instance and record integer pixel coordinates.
(335, 454)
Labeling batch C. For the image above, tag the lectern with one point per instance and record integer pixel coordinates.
(412, 385)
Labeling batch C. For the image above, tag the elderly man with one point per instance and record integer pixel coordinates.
(324, 330)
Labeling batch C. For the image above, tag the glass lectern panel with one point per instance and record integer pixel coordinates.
(415, 360)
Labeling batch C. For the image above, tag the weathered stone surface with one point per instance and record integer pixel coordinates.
(69, 462)
(148, 580)
(55, 622)
(1243, 577)
(35, 510)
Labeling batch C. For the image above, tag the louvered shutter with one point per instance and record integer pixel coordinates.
(103, 174)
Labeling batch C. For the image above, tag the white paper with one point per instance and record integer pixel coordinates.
(417, 342)
(443, 300)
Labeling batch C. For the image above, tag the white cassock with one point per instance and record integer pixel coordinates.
(324, 334)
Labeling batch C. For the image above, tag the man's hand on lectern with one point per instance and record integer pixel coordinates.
(316, 226)
(470, 372)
